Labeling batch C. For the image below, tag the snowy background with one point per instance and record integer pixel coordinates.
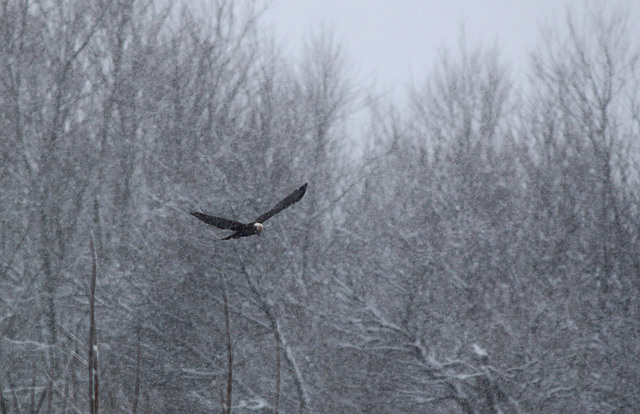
(469, 241)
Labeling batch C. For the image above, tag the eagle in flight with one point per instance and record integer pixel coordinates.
(255, 227)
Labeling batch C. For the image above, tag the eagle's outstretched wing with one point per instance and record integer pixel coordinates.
(286, 202)
(219, 222)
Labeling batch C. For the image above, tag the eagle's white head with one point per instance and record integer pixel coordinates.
(259, 227)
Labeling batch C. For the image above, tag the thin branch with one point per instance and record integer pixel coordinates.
(264, 306)
(3, 406)
(276, 334)
(93, 341)
(33, 388)
(16, 403)
(47, 390)
(57, 389)
(227, 399)
(136, 391)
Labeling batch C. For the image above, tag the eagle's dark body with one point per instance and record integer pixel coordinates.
(254, 227)
(240, 229)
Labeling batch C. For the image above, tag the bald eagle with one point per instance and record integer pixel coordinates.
(255, 227)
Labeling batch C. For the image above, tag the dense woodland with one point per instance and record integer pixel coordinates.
(478, 253)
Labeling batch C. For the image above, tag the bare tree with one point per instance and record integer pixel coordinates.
(583, 125)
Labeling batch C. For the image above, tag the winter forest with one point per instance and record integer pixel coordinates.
(473, 249)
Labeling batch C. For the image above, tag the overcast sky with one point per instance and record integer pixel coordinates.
(397, 42)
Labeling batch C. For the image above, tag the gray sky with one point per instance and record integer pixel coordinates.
(396, 42)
